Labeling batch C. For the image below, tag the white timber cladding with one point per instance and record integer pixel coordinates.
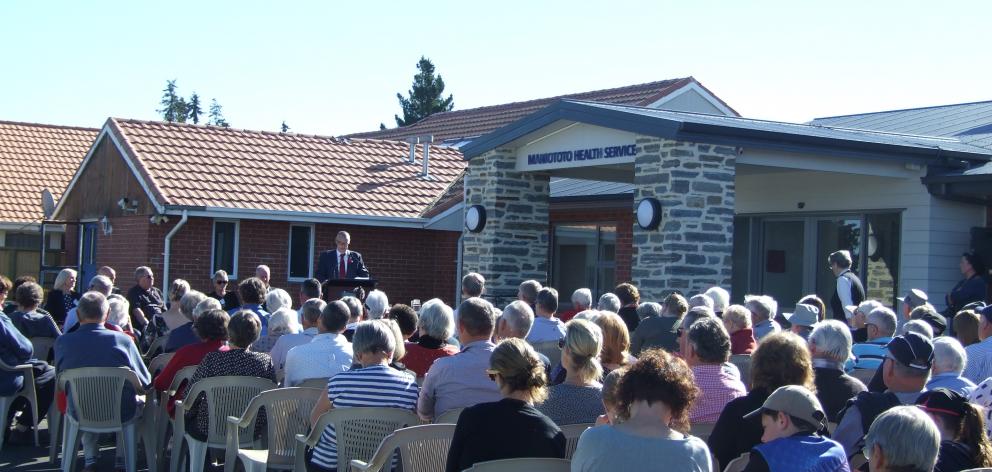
(566, 148)
(691, 100)
(934, 232)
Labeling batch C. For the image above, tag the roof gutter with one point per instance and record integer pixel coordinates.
(168, 250)
(299, 216)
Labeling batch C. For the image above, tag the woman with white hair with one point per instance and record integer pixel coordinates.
(435, 325)
(63, 296)
(377, 304)
(830, 347)
(609, 302)
(737, 320)
(720, 297)
(119, 315)
(949, 360)
(278, 298)
(581, 301)
(282, 321)
(375, 384)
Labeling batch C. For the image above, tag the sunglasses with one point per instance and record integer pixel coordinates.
(220, 282)
(492, 374)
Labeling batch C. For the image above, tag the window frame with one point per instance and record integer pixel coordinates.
(310, 252)
(233, 275)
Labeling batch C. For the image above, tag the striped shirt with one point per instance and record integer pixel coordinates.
(376, 386)
(979, 366)
(869, 355)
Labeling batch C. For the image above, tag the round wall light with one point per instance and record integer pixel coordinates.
(475, 218)
(649, 213)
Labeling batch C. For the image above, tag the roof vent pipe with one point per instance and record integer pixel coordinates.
(427, 156)
(413, 149)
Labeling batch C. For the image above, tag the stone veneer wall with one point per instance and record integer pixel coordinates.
(692, 249)
(513, 246)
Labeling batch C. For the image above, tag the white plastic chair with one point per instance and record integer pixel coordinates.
(162, 418)
(225, 396)
(422, 448)
(358, 431)
(449, 417)
(525, 464)
(42, 347)
(27, 392)
(287, 412)
(738, 464)
(743, 364)
(314, 383)
(549, 349)
(159, 362)
(572, 433)
(95, 400)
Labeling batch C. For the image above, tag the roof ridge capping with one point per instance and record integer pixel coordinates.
(338, 139)
(47, 125)
(931, 107)
(949, 139)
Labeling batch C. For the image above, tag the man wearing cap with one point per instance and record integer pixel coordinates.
(790, 418)
(803, 319)
(979, 354)
(928, 314)
(913, 299)
(849, 290)
(905, 371)
(859, 332)
(881, 325)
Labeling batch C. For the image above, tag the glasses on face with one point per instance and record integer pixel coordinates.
(220, 282)
(561, 343)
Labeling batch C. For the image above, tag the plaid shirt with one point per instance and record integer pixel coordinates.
(716, 388)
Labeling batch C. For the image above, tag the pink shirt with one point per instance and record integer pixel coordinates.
(716, 388)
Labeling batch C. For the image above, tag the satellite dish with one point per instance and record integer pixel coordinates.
(47, 203)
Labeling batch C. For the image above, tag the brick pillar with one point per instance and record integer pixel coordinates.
(513, 246)
(691, 249)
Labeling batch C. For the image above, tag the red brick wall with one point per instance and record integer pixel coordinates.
(409, 263)
(623, 217)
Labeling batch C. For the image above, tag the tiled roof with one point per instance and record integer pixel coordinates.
(190, 165)
(474, 122)
(452, 196)
(34, 157)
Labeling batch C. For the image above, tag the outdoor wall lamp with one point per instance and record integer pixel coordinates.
(649, 213)
(475, 218)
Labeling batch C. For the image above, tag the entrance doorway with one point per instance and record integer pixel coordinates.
(584, 255)
(785, 255)
(87, 255)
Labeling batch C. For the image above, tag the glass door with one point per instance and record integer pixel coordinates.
(835, 234)
(583, 256)
(783, 246)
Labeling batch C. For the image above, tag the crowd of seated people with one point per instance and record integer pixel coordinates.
(655, 381)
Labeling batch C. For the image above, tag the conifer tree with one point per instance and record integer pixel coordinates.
(173, 106)
(425, 97)
(194, 108)
(285, 127)
(216, 115)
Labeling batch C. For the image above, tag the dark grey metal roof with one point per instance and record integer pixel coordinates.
(970, 122)
(736, 131)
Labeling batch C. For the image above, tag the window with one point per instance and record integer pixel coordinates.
(300, 252)
(584, 255)
(786, 255)
(225, 248)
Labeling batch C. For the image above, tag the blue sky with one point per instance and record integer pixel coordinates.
(335, 67)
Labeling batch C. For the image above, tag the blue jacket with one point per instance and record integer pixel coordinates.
(804, 453)
(92, 345)
(14, 349)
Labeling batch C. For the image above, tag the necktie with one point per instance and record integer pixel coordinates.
(342, 269)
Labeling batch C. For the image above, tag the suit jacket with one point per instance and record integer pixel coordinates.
(327, 266)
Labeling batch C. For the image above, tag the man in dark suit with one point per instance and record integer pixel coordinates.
(341, 263)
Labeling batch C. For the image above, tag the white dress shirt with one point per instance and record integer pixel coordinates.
(323, 357)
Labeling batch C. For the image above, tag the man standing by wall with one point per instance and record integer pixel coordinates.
(849, 290)
(341, 263)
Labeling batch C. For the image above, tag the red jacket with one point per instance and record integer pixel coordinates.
(742, 341)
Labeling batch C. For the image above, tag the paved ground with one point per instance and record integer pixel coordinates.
(35, 459)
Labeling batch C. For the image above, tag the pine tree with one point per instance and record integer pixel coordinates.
(382, 126)
(216, 116)
(285, 127)
(172, 103)
(194, 108)
(425, 96)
